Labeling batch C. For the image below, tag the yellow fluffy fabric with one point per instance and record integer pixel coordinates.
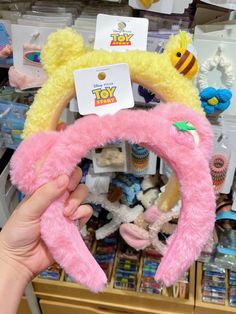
(64, 53)
(58, 51)
(175, 43)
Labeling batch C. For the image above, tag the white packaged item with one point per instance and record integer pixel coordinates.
(10, 15)
(85, 23)
(47, 19)
(48, 9)
(28, 42)
(229, 131)
(40, 24)
(180, 6)
(92, 11)
(73, 106)
(20, 6)
(49, 14)
(70, 4)
(98, 183)
(165, 169)
(227, 4)
(214, 30)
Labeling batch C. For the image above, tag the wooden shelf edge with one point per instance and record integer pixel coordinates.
(110, 290)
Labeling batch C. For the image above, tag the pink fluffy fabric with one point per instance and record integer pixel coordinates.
(46, 155)
(151, 214)
(22, 81)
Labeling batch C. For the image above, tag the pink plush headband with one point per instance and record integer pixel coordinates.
(166, 130)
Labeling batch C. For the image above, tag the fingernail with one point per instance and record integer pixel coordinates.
(61, 181)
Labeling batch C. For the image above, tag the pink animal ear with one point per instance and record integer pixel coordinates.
(186, 115)
(28, 159)
(135, 236)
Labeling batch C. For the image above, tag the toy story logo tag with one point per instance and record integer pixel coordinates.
(121, 40)
(121, 37)
(104, 96)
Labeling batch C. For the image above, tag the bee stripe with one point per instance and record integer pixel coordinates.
(189, 66)
(182, 59)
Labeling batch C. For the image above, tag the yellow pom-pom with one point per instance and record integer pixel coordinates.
(61, 47)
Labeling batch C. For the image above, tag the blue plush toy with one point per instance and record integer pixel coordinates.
(130, 185)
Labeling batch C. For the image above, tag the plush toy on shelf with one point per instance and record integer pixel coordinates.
(144, 231)
(110, 156)
(179, 134)
(121, 213)
(150, 190)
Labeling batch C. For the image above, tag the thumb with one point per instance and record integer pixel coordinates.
(44, 196)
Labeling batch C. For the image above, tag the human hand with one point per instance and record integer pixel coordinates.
(20, 242)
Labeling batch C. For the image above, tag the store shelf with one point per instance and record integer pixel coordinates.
(24, 307)
(204, 307)
(54, 294)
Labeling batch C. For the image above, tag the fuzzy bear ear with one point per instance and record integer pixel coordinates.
(62, 46)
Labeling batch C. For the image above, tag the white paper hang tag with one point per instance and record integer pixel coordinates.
(120, 33)
(103, 90)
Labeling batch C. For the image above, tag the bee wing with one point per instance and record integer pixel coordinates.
(192, 49)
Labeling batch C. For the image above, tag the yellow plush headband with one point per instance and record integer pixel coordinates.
(65, 53)
(160, 73)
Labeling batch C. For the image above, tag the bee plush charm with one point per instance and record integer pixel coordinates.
(45, 153)
(184, 58)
